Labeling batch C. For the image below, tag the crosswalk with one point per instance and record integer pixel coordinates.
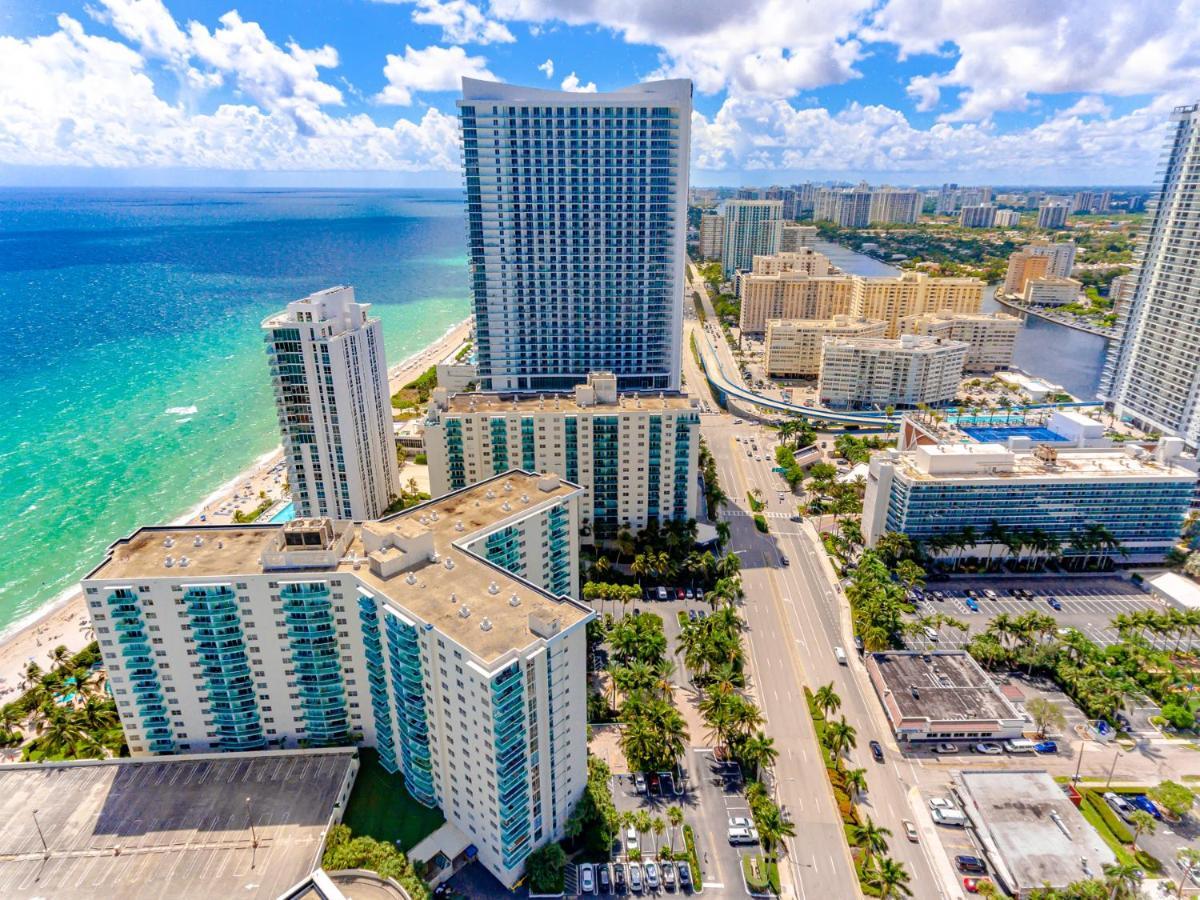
(769, 515)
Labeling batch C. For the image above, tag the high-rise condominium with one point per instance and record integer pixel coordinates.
(752, 228)
(577, 229)
(1154, 371)
(331, 394)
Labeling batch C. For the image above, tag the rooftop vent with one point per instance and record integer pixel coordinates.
(464, 612)
(514, 600)
(493, 588)
(169, 561)
(458, 526)
(485, 625)
(183, 561)
(508, 486)
(524, 498)
(453, 597)
(506, 506)
(220, 545)
(198, 542)
(169, 542)
(410, 578)
(449, 564)
(491, 495)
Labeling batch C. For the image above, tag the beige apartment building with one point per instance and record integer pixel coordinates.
(794, 345)
(1038, 259)
(795, 238)
(802, 261)
(792, 295)
(910, 294)
(990, 337)
(874, 373)
(1051, 291)
(712, 235)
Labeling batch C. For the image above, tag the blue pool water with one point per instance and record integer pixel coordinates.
(1000, 434)
(284, 515)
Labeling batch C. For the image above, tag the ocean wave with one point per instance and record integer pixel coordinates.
(181, 410)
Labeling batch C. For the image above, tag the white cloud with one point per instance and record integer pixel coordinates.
(432, 69)
(461, 22)
(753, 133)
(547, 67)
(572, 83)
(73, 99)
(1009, 52)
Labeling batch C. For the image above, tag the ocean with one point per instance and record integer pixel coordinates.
(134, 380)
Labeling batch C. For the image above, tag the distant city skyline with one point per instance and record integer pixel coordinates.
(191, 92)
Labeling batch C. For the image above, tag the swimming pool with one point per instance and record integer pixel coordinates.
(284, 515)
(1000, 434)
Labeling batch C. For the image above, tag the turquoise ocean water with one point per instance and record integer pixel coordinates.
(121, 310)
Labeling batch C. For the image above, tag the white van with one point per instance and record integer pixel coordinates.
(1020, 745)
(951, 818)
(841, 655)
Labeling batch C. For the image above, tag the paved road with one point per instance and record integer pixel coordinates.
(794, 619)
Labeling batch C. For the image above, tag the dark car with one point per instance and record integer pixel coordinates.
(679, 594)
(972, 864)
(876, 751)
(1046, 747)
(1054, 603)
(784, 560)
(603, 878)
(619, 878)
(685, 876)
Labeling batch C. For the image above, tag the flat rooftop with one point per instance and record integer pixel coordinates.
(970, 462)
(171, 827)
(424, 590)
(475, 401)
(949, 686)
(1034, 828)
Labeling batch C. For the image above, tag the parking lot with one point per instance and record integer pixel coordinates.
(1087, 604)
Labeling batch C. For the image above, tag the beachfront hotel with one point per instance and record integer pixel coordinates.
(636, 456)
(577, 231)
(331, 395)
(1062, 486)
(1152, 375)
(442, 636)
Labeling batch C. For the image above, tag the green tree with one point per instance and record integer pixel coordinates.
(889, 877)
(871, 837)
(827, 700)
(544, 867)
(1142, 823)
(675, 817)
(1175, 798)
(855, 781)
(1045, 715)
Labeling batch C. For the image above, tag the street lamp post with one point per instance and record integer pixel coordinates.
(1079, 762)
(1113, 767)
(253, 834)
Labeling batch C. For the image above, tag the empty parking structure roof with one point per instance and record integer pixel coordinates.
(176, 827)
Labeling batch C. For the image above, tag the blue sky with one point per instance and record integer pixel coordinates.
(346, 92)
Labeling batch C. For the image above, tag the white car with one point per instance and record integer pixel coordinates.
(742, 836)
(740, 822)
(987, 748)
(910, 831)
(941, 803)
(931, 634)
(632, 844)
(945, 748)
(635, 877)
(587, 879)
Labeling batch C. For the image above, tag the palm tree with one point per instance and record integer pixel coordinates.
(59, 657)
(871, 837)
(889, 877)
(675, 817)
(827, 700)
(658, 825)
(855, 781)
(759, 750)
(839, 737)
(729, 565)
(642, 821)
(1141, 822)
(63, 733)
(996, 534)
(722, 533)
(1123, 878)
(772, 827)
(641, 567)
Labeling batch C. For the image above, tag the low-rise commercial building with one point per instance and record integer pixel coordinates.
(991, 338)
(1033, 836)
(941, 696)
(1139, 499)
(443, 636)
(1051, 291)
(874, 373)
(794, 346)
(635, 456)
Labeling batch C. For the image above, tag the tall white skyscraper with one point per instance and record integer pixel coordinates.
(577, 230)
(331, 394)
(752, 228)
(1153, 372)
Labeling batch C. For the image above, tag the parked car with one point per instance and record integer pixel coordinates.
(688, 594)
(1145, 804)
(691, 615)
(740, 822)
(945, 748)
(661, 593)
(742, 836)
(930, 633)
(619, 878)
(635, 877)
(941, 803)
(951, 818)
(679, 594)
(972, 605)
(972, 885)
(602, 877)
(987, 748)
(668, 876)
(632, 844)
(972, 864)
(685, 876)
(587, 879)
(990, 594)
(784, 561)
(639, 783)
(652, 875)
(1046, 747)
(1054, 603)
(876, 751)
(1019, 745)
(1119, 804)
(910, 831)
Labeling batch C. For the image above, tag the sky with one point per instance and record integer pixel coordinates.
(362, 93)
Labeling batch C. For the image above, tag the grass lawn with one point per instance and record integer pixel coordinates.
(381, 808)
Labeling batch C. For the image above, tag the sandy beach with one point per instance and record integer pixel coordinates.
(65, 620)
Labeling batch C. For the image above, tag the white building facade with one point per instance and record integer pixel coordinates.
(331, 397)
(577, 232)
(874, 373)
(752, 228)
(1153, 372)
(635, 456)
(443, 637)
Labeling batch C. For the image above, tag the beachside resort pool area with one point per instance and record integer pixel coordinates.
(284, 515)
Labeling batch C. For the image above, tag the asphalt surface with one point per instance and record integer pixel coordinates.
(794, 622)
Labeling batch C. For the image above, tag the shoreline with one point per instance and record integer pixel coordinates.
(63, 619)
(1038, 314)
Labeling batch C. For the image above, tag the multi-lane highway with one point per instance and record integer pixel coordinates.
(795, 619)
